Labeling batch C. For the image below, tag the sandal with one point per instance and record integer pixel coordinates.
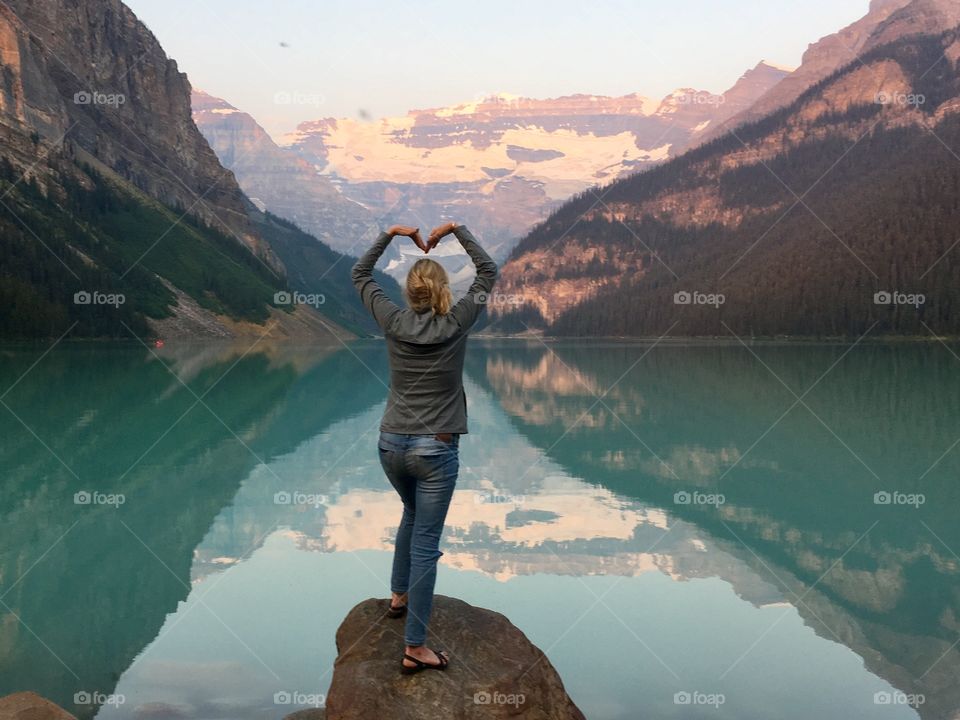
(420, 665)
(396, 611)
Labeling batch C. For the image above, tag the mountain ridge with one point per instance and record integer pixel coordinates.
(109, 191)
(702, 213)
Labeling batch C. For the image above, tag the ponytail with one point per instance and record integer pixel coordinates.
(428, 287)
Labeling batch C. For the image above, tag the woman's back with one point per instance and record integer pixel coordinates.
(426, 350)
(426, 385)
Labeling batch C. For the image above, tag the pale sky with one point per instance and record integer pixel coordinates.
(285, 61)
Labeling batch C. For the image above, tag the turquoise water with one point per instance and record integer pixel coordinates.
(659, 521)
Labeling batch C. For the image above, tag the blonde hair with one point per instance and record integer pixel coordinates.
(428, 287)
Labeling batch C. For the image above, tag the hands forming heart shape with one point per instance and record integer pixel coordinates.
(436, 235)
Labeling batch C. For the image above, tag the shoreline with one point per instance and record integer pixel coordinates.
(547, 339)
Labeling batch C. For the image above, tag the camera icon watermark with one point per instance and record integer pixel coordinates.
(884, 697)
(296, 97)
(897, 97)
(95, 297)
(694, 297)
(895, 297)
(685, 497)
(487, 697)
(295, 497)
(284, 297)
(95, 97)
(700, 97)
(497, 299)
(296, 697)
(495, 498)
(94, 697)
(87, 497)
(895, 497)
(695, 697)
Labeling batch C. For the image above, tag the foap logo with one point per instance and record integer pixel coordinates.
(296, 697)
(684, 497)
(898, 698)
(903, 99)
(895, 497)
(301, 498)
(498, 299)
(295, 97)
(688, 297)
(298, 298)
(86, 497)
(695, 697)
(94, 697)
(494, 498)
(485, 697)
(700, 98)
(895, 297)
(95, 97)
(95, 297)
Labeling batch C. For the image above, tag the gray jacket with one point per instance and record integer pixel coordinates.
(426, 351)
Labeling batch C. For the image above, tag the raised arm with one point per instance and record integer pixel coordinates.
(383, 309)
(468, 308)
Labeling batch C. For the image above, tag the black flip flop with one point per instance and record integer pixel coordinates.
(396, 612)
(420, 665)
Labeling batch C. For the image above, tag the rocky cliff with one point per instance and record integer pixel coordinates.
(886, 21)
(109, 190)
(91, 71)
(280, 181)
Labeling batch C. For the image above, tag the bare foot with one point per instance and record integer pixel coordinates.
(424, 655)
(398, 600)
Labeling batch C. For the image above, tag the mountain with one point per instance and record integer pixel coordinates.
(116, 216)
(834, 213)
(314, 270)
(91, 71)
(885, 21)
(499, 163)
(279, 181)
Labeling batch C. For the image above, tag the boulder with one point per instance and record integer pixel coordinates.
(30, 706)
(494, 672)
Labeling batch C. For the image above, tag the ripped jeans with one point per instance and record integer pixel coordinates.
(423, 470)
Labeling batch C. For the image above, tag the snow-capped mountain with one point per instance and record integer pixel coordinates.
(498, 163)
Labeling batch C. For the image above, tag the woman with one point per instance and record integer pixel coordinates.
(425, 415)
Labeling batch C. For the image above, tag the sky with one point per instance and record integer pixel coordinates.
(287, 61)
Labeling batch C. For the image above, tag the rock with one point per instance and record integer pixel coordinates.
(495, 671)
(30, 706)
(308, 714)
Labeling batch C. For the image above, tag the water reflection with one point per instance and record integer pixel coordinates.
(798, 441)
(261, 515)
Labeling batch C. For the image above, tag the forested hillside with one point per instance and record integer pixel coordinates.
(798, 224)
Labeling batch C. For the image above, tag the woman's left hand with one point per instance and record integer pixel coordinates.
(438, 233)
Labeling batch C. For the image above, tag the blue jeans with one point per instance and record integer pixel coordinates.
(423, 470)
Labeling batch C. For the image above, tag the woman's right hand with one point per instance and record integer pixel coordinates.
(438, 233)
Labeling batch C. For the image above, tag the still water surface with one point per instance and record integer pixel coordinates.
(698, 519)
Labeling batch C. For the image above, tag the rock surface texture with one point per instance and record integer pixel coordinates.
(30, 706)
(495, 671)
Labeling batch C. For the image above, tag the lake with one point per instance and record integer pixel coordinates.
(687, 530)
